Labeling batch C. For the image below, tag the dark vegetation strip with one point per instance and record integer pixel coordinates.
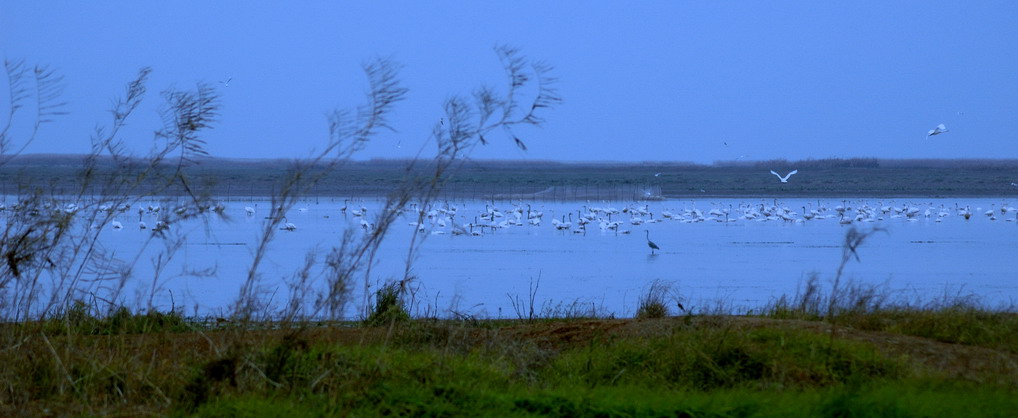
(564, 181)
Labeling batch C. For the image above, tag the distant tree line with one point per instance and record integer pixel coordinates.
(819, 163)
(203, 163)
(826, 163)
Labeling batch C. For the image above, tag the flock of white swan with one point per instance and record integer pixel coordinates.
(458, 219)
(461, 219)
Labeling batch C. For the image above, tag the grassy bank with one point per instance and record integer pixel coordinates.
(904, 362)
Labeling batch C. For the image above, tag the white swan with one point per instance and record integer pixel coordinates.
(161, 226)
(785, 178)
(288, 226)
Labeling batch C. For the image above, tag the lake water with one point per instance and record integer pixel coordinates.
(743, 262)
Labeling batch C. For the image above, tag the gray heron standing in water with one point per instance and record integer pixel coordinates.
(650, 243)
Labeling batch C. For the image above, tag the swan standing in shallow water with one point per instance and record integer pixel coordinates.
(785, 178)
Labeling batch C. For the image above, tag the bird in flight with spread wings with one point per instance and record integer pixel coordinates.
(785, 178)
(937, 131)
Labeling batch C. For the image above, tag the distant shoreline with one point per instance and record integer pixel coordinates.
(542, 180)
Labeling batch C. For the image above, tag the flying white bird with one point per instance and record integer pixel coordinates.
(937, 131)
(227, 82)
(785, 178)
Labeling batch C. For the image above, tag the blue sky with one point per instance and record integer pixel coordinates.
(641, 81)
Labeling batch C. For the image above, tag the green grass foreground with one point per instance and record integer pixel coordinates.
(960, 362)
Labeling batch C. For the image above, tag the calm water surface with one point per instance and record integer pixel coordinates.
(742, 258)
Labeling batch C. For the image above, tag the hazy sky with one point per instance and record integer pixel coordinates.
(658, 81)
